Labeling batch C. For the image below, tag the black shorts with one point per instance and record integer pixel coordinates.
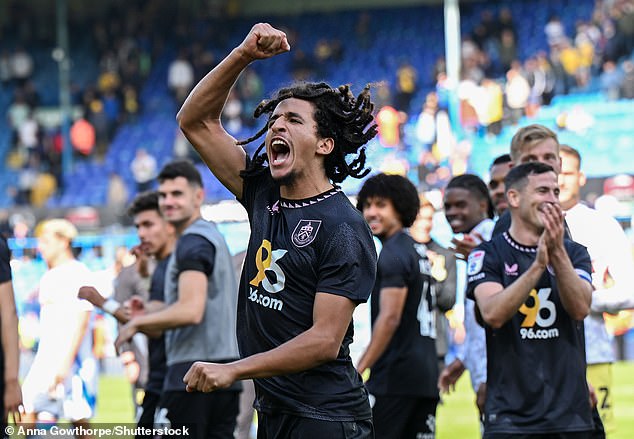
(148, 409)
(404, 417)
(294, 427)
(565, 435)
(206, 415)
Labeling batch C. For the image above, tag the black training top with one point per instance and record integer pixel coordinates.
(156, 346)
(409, 365)
(195, 253)
(536, 372)
(298, 248)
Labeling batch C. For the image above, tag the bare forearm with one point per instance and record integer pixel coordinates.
(154, 306)
(118, 313)
(384, 329)
(497, 309)
(189, 309)
(10, 344)
(170, 317)
(111, 305)
(207, 99)
(575, 293)
(93, 296)
(306, 351)
(121, 316)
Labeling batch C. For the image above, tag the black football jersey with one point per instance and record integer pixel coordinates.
(409, 365)
(296, 249)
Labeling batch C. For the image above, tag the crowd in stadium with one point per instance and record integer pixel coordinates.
(517, 297)
(501, 81)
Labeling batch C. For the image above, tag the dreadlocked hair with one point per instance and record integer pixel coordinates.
(339, 115)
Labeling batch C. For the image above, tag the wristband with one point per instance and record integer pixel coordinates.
(111, 306)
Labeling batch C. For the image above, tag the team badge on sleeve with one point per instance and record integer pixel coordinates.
(305, 232)
(475, 261)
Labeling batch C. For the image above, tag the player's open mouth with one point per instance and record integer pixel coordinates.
(279, 151)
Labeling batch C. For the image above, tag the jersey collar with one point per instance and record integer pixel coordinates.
(296, 204)
(517, 246)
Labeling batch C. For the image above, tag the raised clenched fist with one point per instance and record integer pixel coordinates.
(263, 41)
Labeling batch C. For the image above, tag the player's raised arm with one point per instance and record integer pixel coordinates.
(199, 117)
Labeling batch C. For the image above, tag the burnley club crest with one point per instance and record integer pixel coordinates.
(305, 232)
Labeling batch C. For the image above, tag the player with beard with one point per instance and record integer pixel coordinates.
(401, 353)
(310, 259)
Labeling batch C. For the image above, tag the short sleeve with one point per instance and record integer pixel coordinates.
(5, 258)
(347, 264)
(580, 260)
(194, 252)
(392, 271)
(482, 266)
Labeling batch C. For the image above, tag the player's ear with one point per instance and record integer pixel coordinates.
(513, 197)
(582, 179)
(199, 195)
(325, 146)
